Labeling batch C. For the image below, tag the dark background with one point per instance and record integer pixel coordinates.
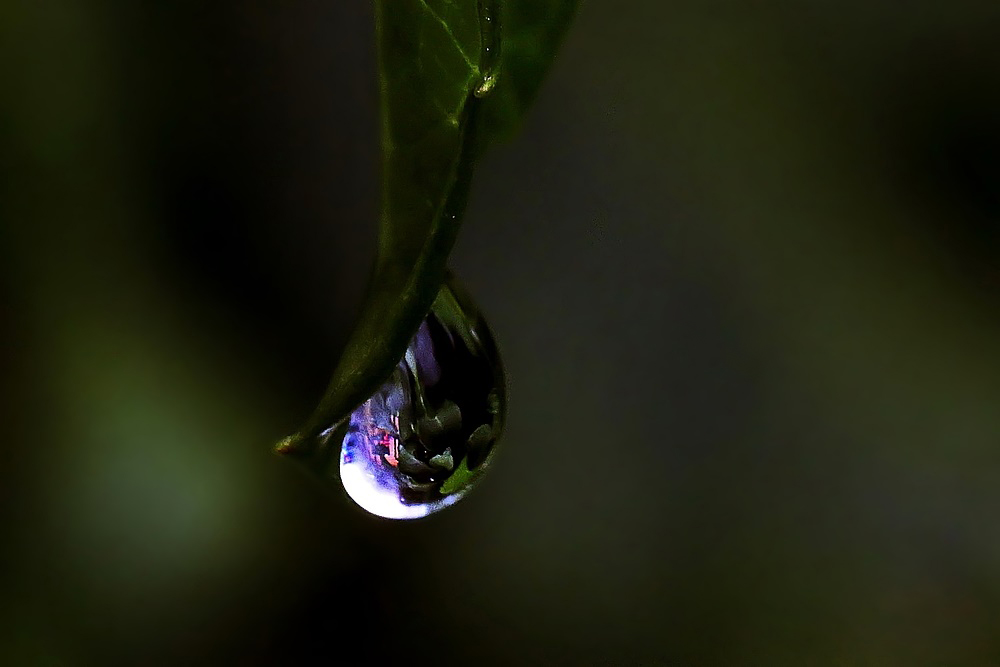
(742, 262)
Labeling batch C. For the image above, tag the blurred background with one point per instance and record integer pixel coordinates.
(742, 263)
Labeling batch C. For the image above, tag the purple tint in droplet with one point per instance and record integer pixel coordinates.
(423, 352)
(425, 437)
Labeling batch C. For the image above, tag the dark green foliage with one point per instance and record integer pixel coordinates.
(434, 68)
(532, 32)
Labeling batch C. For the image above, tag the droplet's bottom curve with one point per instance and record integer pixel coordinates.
(426, 437)
(380, 500)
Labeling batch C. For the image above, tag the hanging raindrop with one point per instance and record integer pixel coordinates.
(424, 439)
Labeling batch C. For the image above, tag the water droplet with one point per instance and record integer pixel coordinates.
(424, 439)
(489, 37)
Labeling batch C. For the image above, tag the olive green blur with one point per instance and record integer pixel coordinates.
(743, 264)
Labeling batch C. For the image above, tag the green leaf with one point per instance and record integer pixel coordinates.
(437, 70)
(532, 33)
(459, 479)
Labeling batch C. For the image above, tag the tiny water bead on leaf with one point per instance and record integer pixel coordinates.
(489, 38)
(422, 441)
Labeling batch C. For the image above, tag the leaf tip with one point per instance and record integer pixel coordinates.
(288, 445)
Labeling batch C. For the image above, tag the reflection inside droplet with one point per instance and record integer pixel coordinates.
(426, 436)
